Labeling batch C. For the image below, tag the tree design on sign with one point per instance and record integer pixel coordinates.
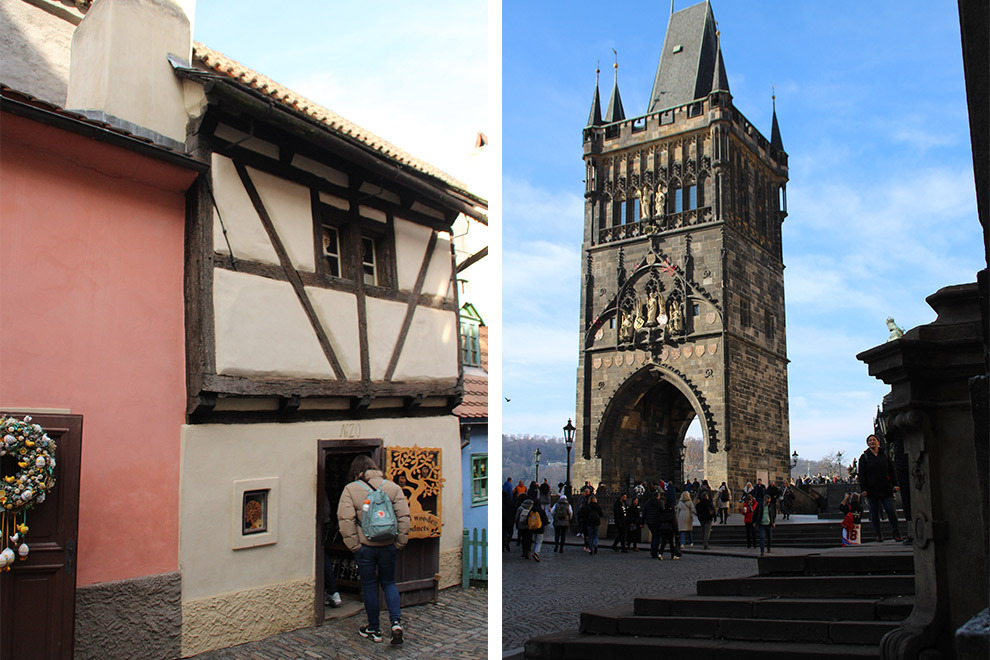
(417, 471)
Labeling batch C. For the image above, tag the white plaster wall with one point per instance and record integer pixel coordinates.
(410, 246)
(384, 322)
(247, 236)
(337, 311)
(34, 49)
(430, 349)
(215, 455)
(411, 240)
(291, 210)
(262, 329)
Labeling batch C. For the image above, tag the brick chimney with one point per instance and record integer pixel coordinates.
(119, 70)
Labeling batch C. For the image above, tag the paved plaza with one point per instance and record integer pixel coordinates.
(454, 628)
(547, 597)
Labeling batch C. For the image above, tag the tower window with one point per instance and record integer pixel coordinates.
(769, 322)
(678, 200)
(635, 211)
(331, 250)
(745, 317)
(692, 198)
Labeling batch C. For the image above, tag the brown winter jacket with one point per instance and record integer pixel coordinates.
(349, 511)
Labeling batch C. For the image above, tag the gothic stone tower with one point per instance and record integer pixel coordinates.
(682, 301)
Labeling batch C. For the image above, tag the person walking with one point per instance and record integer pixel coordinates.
(724, 497)
(761, 517)
(545, 497)
(878, 481)
(748, 508)
(685, 519)
(619, 516)
(375, 557)
(634, 524)
(671, 490)
(705, 513)
(526, 508)
(774, 493)
(592, 520)
(543, 521)
(668, 528)
(561, 513)
(651, 518)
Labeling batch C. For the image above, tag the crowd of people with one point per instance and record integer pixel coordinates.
(668, 512)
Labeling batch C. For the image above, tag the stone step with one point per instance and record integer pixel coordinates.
(575, 646)
(781, 630)
(837, 564)
(891, 608)
(805, 585)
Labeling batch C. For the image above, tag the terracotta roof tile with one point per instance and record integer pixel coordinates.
(475, 403)
(218, 62)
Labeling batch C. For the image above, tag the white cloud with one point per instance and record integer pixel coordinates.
(532, 211)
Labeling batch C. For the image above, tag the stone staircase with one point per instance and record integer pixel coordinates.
(790, 535)
(834, 604)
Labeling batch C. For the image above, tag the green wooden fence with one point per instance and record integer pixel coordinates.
(474, 556)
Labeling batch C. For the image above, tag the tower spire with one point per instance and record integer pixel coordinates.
(775, 140)
(595, 118)
(720, 82)
(615, 112)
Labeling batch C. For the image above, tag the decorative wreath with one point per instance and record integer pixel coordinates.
(34, 453)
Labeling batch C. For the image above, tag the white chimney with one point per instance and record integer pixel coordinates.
(119, 70)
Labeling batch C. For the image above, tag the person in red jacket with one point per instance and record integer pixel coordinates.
(748, 507)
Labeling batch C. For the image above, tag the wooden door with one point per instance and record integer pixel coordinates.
(37, 596)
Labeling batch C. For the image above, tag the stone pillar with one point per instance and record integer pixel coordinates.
(929, 371)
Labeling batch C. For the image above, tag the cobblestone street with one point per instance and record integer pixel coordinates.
(455, 628)
(546, 597)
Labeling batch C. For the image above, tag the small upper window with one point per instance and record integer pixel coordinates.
(369, 260)
(331, 250)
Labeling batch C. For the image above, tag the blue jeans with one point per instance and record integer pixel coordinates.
(377, 563)
(888, 505)
(329, 581)
(592, 532)
(687, 537)
(765, 534)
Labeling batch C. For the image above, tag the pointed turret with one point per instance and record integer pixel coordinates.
(615, 112)
(775, 140)
(720, 82)
(595, 118)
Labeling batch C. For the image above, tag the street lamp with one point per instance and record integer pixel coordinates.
(794, 459)
(536, 455)
(569, 442)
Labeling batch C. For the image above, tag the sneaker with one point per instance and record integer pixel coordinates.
(536, 556)
(660, 557)
(396, 633)
(335, 600)
(897, 537)
(373, 635)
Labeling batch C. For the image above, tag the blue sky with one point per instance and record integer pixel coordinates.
(415, 74)
(882, 212)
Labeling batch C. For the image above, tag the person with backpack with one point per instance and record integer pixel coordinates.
(374, 524)
(706, 513)
(668, 529)
(724, 497)
(530, 521)
(561, 514)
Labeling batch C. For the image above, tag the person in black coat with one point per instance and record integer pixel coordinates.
(878, 481)
(592, 519)
(668, 529)
(651, 518)
(634, 521)
(619, 515)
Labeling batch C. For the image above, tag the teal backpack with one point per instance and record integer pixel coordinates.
(378, 522)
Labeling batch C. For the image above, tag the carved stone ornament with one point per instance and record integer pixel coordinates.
(711, 317)
(664, 354)
(713, 348)
(618, 360)
(688, 351)
(596, 363)
(675, 353)
(600, 334)
(607, 362)
(699, 350)
(642, 358)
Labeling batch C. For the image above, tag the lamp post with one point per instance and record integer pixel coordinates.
(568, 442)
(794, 459)
(536, 455)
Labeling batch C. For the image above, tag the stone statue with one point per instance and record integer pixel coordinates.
(676, 317)
(626, 328)
(895, 331)
(651, 308)
(658, 203)
(644, 204)
(640, 321)
(662, 309)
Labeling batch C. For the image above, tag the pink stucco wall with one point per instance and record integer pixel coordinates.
(91, 320)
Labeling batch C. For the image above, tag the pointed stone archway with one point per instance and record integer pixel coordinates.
(641, 434)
